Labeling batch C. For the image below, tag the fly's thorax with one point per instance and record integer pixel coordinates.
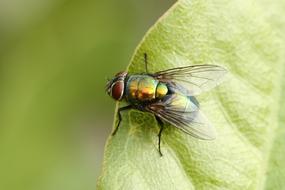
(132, 86)
(143, 88)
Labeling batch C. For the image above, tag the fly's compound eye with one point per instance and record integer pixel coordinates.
(118, 90)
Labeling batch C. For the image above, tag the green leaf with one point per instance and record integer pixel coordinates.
(236, 34)
(276, 165)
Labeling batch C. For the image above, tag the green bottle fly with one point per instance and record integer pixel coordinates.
(169, 95)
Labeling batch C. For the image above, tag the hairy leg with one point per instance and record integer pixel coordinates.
(145, 62)
(120, 117)
(160, 123)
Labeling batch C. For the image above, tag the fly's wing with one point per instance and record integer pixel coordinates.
(182, 113)
(192, 80)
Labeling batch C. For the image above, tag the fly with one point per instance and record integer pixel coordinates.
(169, 95)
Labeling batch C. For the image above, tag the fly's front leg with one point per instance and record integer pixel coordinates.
(160, 123)
(120, 117)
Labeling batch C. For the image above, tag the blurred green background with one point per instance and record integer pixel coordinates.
(55, 56)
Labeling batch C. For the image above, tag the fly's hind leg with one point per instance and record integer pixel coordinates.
(145, 62)
(160, 123)
(120, 117)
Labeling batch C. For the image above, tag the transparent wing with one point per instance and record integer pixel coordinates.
(182, 113)
(192, 80)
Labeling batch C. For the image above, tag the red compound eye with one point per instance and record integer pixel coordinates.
(118, 90)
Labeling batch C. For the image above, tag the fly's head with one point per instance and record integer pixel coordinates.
(115, 87)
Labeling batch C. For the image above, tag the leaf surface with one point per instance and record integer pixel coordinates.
(240, 36)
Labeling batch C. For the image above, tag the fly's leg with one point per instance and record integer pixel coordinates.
(145, 62)
(120, 117)
(160, 123)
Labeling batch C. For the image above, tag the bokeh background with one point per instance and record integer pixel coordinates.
(55, 56)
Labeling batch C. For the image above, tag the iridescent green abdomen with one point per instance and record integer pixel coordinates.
(143, 88)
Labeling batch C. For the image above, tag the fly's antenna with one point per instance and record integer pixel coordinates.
(145, 62)
(108, 83)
